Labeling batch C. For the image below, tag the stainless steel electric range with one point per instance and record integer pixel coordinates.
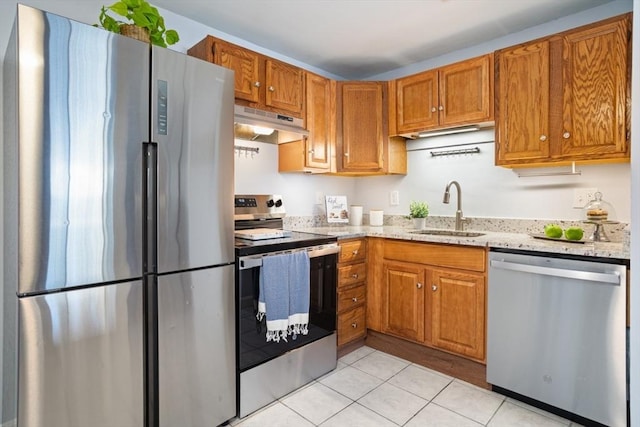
(270, 370)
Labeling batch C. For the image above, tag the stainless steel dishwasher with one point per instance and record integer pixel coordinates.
(557, 333)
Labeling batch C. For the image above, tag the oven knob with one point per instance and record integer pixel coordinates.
(278, 203)
(270, 203)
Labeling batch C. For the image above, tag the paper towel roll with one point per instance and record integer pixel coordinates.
(355, 215)
(376, 217)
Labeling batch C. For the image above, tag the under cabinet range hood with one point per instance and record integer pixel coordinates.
(265, 126)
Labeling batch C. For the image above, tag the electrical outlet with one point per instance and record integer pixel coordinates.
(582, 196)
(394, 198)
(319, 198)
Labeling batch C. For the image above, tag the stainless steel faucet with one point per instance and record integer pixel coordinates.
(460, 220)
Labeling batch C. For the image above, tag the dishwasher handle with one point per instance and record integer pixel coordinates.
(612, 277)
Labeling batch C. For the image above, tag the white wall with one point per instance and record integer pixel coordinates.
(491, 191)
(259, 175)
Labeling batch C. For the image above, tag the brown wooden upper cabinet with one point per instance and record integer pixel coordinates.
(260, 81)
(362, 142)
(451, 96)
(566, 97)
(313, 153)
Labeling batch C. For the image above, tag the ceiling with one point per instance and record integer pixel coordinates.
(355, 39)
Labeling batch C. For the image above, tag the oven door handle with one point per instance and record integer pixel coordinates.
(324, 251)
(253, 261)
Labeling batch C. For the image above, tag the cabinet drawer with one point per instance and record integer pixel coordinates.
(350, 298)
(351, 325)
(452, 256)
(353, 250)
(350, 274)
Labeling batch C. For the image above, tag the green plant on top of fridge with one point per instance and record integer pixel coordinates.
(141, 14)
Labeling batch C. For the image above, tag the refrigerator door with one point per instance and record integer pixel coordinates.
(192, 123)
(82, 116)
(197, 380)
(81, 361)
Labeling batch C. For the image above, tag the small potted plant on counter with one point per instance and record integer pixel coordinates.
(418, 212)
(143, 22)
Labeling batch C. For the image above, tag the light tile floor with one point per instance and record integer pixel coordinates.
(370, 388)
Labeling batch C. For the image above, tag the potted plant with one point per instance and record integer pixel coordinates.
(141, 19)
(418, 211)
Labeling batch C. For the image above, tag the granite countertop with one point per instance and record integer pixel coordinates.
(519, 241)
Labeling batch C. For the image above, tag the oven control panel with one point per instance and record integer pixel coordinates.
(258, 206)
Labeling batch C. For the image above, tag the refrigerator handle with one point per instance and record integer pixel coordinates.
(150, 168)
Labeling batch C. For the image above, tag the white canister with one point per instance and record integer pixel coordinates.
(376, 217)
(355, 215)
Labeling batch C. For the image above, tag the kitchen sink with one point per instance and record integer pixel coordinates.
(456, 233)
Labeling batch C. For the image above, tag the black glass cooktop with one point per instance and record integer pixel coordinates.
(297, 239)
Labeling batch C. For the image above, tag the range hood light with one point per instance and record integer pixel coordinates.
(260, 130)
(449, 131)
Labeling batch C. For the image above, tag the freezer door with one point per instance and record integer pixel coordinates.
(197, 379)
(75, 171)
(81, 358)
(192, 123)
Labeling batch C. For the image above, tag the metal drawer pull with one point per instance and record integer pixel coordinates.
(543, 137)
(354, 325)
(419, 285)
(434, 288)
(354, 299)
(271, 89)
(257, 84)
(355, 252)
(355, 275)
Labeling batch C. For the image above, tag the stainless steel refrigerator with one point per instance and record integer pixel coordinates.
(118, 233)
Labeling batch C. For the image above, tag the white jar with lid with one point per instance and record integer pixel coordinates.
(376, 217)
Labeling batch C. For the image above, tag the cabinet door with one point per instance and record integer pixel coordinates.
(361, 126)
(522, 103)
(594, 86)
(319, 121)
(245, 64)
(417, 102)
(403, 299)
(465, 92)
(284, 86)
(458, 312)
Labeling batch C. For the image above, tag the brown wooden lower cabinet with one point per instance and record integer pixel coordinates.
(403, 291)
(437, 300)
(458, 312)
(352, 291)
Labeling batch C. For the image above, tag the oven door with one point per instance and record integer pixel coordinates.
(253, 346)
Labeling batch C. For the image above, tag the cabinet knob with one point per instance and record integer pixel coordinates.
(419, 285)
(566, 135)
(543, 137)
(311, 151)
(354, 299)
(434, 109)
(434, 288)
(272, 89)
(346, 154)
(354, 275)
(440, 108)
(257, 84)
(354, 325)
(355, 252)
